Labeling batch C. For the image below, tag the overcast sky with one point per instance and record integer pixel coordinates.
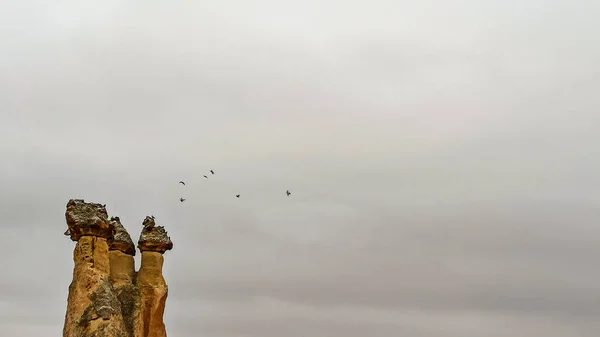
(442, 157)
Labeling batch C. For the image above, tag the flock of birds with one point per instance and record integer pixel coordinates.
(67, 233)
(287, 192)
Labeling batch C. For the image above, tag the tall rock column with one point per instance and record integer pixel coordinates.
(92, 308)
(121, 252)
(153, 243)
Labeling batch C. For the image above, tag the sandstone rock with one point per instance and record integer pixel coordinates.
(122, 275)
(154, 238)
(107, 298)
(92, 306)
(87, 219)
(122, 267)
(153, 243)
(130, 299)
(121, 239)
(148, 222)
(154, 292)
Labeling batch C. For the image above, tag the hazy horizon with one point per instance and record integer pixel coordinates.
(440, 157)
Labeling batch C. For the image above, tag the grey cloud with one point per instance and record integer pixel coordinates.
(441, 158)
(295, 320)
(434, 266)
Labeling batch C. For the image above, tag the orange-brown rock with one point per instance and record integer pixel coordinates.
(120, 240)
(154, 292)
(153, 243)
(107, 297)
(92, 306)
(154, 238)
(122, 274)
(85, 218)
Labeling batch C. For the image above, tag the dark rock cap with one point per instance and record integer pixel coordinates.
(121, 240)
(154, 238)
(84, 218)
(148, 222)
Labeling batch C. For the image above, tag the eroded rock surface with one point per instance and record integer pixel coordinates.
(121, 240)
(154, 292)
(123, 275)
(153, 243)
(92, 306)
(154, 238)
(85, 218)
(148, 222)
(107, 297)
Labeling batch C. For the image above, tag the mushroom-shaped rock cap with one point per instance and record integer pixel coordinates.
(148, 222)
(86, 218)
(121, 240)
(154, 238)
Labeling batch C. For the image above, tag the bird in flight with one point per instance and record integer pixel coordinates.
(288, 193)
(205, 176)
(211, 171)
(237, 195)
(181, 199)
(182, 183)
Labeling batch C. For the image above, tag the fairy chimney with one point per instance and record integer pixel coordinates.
(107, 297)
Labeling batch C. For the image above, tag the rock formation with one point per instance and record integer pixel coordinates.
(153, 243)
(122, 274)
(107, 297)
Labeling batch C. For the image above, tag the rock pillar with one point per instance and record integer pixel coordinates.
(122, 274)
(92, 307)
(153, 243)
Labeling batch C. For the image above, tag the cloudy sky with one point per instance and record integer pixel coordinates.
(442, 157)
